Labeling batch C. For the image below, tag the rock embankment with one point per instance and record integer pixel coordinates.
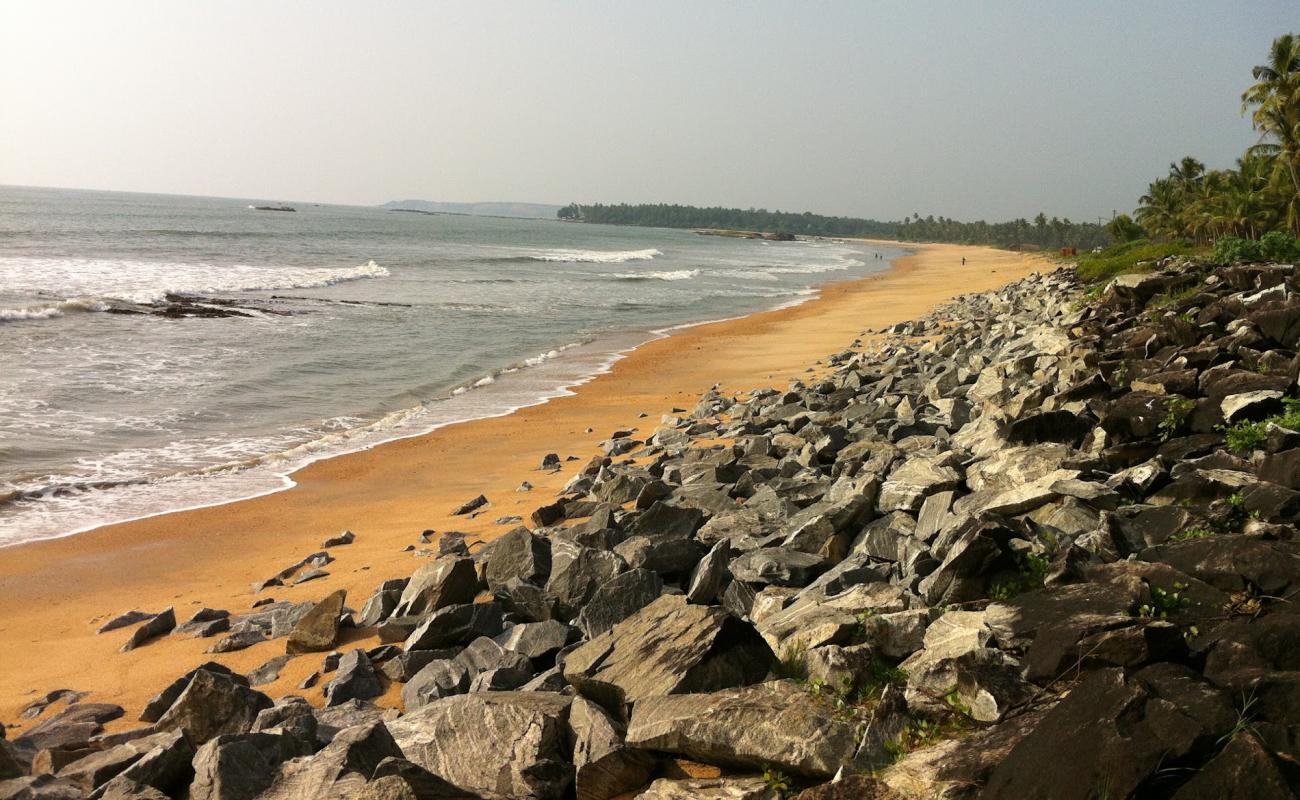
(1028, 546)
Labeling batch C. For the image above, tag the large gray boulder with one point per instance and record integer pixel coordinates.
(577, 572)
(355, 679)
(604, 766)
(238, 766)
(497, 744)
(668, 647)
(618, 598)
(213, 704)
(443, 582)
(777, 724)
(519, 554)
(319, 628)
(339, 770)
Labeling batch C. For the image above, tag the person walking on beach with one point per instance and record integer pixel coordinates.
(963, 261)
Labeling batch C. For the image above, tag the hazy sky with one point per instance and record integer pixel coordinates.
(965, 109)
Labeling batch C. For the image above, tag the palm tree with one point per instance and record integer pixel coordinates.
(1160, 209)
(1275, 100)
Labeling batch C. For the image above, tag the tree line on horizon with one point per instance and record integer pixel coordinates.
(665, 215)
(1042, 232)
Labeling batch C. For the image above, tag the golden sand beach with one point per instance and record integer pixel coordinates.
(54, 594)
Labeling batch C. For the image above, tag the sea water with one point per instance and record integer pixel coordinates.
(354, 326)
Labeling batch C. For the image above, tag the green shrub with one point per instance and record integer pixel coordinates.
(1123, 258)
(1246, 437)
(1272, 246)
(1279, 246)
(1234, 250)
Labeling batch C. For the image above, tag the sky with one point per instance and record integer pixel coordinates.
(973, 110)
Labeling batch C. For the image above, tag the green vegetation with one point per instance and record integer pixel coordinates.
(793, 664)
(1165, 601)
(1260, 195)
(1190, 534)
(1244, 438)
(1177, 411)
(1272, 246)
(663, 215)
(776, 780)
(1033, 569)
(1042, 233)
(1139, 255)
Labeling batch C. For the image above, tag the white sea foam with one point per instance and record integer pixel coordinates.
(595, 256)
(88, 282)
(669, 275)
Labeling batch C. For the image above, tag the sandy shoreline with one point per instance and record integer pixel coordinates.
(52, 591)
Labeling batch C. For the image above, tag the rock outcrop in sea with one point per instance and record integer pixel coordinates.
(1031, 545)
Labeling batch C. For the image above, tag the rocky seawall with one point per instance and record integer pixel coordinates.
(1032, 545)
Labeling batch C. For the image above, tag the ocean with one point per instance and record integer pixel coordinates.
(161, 352)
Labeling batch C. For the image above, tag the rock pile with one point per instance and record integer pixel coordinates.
(1028, 546)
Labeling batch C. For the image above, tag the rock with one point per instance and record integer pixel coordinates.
(1243, 770)
(1110, 731)
(617, 599)
(1250, 405)
(37, 707)
(332, 720)
(665, 521)
(521, 737)
(163, 767)
(347, 537)
(295, 721)
(910, 482)
(577, 572)
(534, 640)
(710, 575)
(310, 575)
(237, 766)
(70, 729)
(396, 778)
(851, 787)
(777, 566)
(469, 506)
(603, 766)
(269, 672)
(1048, 426)
(456, 625)
(665, 648)
(738, 788)
(356, 680)
(816, 619)
(382, 603)
(204, 623)
(985, 683)
(774, 724)
(950, 768)
(124, 619)
(319, 629)
(239, 641)
(338, 770)
(154, 709)
(443, 582)
(212, 704)
(519, 554)
(160, 625)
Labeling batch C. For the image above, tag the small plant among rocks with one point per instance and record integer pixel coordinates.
(1033, 570)
(776, 780)
(1177, 411)
(1165, 601)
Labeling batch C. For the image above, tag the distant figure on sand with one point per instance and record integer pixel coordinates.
(963, 261)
